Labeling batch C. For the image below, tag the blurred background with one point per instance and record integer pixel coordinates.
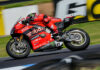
(86, 11)
(12, 10)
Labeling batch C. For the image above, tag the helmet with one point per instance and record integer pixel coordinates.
(32, 16)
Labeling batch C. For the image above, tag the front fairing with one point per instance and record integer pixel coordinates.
(17, 25)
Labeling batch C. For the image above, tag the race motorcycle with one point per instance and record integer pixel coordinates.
(26, 37)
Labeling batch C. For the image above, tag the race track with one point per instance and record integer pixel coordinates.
(39, 57)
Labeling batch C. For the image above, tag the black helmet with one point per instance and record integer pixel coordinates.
(32, 16)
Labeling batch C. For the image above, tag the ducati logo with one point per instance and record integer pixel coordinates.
(37, 30)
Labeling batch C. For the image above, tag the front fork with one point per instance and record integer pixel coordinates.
(18, 39)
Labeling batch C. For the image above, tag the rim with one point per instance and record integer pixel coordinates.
(18, 49)
(79, 37)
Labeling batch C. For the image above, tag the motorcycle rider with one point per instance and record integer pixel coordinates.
(56, 25)
(50, 22)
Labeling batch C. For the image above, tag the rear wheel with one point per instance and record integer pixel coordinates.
(79, 40)
(18, 50)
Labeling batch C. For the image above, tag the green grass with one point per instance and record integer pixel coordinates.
(90, 68)
(3, 42)
(92, 28)
(97, 68)
(26, 3)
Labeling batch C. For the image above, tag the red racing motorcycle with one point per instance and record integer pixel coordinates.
(26, 37)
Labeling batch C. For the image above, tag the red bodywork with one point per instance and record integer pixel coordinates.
(30, 32)
(39, 42)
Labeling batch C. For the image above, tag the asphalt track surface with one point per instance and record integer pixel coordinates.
(43, 56)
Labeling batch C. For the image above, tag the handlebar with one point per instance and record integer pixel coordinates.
(26, 21)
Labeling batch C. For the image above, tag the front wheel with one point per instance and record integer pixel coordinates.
(18, 50)
(78, 39)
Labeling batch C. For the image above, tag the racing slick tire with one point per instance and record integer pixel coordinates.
(77, 47)
(16, 51)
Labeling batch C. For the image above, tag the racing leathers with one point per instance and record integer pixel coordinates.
(48, 21)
